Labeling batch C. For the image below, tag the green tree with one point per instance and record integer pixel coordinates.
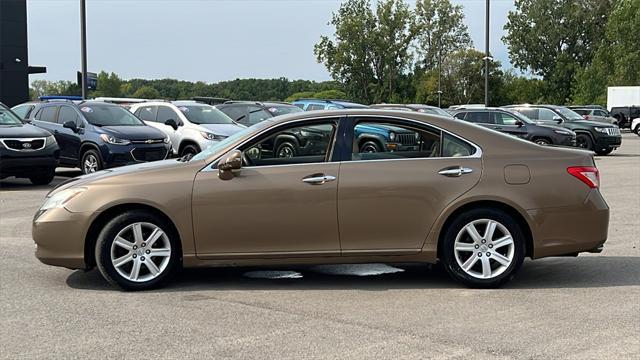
(146, 92)
(370, 51)
(617, 60)
(462, 80)
(330, 94)
(440, 31)
(45, 87)
(300, 95)
(555, 38)
(108, 85)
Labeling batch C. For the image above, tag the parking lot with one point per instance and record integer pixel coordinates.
(579, 308)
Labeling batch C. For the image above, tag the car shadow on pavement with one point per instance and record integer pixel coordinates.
(583, 272)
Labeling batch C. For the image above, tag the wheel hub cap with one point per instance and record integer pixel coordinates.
(484, 248)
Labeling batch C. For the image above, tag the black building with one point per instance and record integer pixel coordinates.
(14, 60)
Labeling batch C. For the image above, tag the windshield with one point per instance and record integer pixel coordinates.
(216, 147)
(283, 109)
(8, 118)
(109, 115)
(569, 114)
(205, 114)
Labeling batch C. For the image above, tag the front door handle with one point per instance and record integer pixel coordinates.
(318, 179)
(455, 171)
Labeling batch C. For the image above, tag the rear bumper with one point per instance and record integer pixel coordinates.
(571, 229)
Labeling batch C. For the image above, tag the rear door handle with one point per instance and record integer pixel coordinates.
(455, 171)
(318, 179)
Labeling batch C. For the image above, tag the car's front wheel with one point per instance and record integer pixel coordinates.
(43, 178)
(483, 248)
(136, 250)
(584, 141)
(90, 162)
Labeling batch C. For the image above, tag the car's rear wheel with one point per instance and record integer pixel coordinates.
(43, 178)
(483, 248)
(90, 162)
(137, 251)
(584, 141)
(637, 130)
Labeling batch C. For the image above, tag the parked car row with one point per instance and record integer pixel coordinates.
(101, 133)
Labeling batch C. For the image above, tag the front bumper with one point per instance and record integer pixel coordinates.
(28, 163)
(608, 142)
(570, 229)
(117, 155)
(59, 236)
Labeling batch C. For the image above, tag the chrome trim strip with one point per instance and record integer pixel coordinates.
(44, 143)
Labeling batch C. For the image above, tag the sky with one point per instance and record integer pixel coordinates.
(205, 40)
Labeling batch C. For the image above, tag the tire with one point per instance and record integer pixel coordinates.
(584, 141)
(286, 150)
(189, 150)
(604, 152)
(542, 141)
(369, 147)
(133, 252)
(44, 178)
(480, 257)
(90, 162)
(637, 130)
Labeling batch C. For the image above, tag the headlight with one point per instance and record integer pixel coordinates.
(563, 132)
(114, 140)
(212, 136)
(392, 136)
(59, 199)
(50, 140)
(167, 140)
(601, 129)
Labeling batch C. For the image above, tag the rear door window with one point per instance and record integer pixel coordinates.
(166, 113)
(481, 117)
(48, 114)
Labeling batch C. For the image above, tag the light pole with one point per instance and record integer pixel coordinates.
(486, 58)
(439, 72)
(83, 40)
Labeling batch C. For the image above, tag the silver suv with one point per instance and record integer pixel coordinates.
(192, 126)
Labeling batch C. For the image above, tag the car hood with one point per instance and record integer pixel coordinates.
(22, 131)
(592, 123)
(223, 129)
(133, 132)
(137, 169)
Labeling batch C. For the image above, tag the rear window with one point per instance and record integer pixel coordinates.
(581, 111)
(47, 114)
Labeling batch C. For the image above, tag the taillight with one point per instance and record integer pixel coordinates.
(587, 174)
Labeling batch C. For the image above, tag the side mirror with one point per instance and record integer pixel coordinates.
(519, 123)
(172, 123)
(71, 125)
(229, 162)
(557, 119)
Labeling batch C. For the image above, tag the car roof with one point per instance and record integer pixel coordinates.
(344, 103)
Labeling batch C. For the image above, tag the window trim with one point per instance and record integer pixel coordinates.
(476, 154)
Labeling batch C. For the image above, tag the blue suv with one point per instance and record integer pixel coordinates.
(95, 135)
(369, 138)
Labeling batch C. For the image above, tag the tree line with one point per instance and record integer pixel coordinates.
(389, 51)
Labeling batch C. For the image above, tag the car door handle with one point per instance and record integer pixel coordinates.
(455, 171)
(318, 179)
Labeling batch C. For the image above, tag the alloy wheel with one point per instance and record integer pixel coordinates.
(484, 248)
(90, 164)
(369, 148)
(285, 151)
(140, 252)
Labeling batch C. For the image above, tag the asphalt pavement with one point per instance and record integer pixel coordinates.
(565, 308)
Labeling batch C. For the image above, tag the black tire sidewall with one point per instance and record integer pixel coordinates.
(588, 141)
(107, 236)
(84, 156)
(44, 178)
(370, 143)
(189, 149)
(448, 256)
(286, 144)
